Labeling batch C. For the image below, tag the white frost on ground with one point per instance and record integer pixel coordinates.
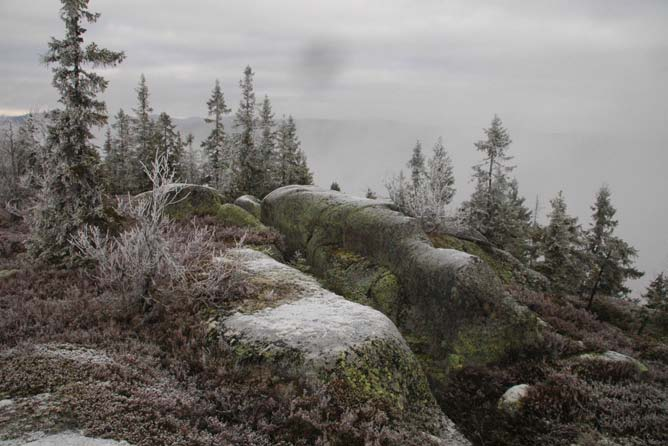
(62, 439)
(74, 353)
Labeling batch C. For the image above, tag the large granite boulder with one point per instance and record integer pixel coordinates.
(311, 338)
(452, 307)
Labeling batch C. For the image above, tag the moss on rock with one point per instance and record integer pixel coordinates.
(232, 215)
(371, 253)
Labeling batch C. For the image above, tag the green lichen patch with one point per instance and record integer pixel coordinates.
(384, 372)
(386, 294)
(491, 342)
(358, 279)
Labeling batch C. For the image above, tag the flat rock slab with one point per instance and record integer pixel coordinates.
(315, 323)
(322, 327)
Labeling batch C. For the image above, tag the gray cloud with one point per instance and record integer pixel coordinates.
(580, 84)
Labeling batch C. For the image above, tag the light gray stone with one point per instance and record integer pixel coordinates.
(511, 401)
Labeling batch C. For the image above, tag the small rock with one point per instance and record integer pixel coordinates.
(250, 204)
(6, 403)
(8, 273)
(612, 356)
(511, 401)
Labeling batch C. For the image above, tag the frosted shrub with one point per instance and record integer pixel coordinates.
(153, 250)
(430, 188)
(422, 201)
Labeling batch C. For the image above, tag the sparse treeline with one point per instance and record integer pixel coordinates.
(257, 156)
(52, 171)
(577, 261)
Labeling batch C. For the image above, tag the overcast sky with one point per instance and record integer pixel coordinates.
(582, 85)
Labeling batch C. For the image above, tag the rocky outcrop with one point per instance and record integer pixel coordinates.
(452, 306)
(309, 337)
(250, 204)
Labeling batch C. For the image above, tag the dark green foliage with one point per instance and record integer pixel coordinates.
(190, 167)
(267, 149)
(657, 293)
(168, 143)
(142, 133)
(416, 164)
(335, 186)
(611, 257)
(562, 246)
(71, 193)
(291, 164)
(247, 169)
(120, 156)
(216, 146)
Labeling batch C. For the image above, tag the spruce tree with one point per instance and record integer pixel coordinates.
(9, 183)
(495, 208)
(125, 156)
(441, 174)
(562, 248)
(514, 222)
(416, 165)
(247, 172)
(169, 144)
(71, 194)
(491, 178)
(335, 186)
(216, 146)
(611, 257)
(267, 148)
(657, 293)
(110, 161)
(291, 164)
(143, 137)
(190, 164)
(34, 151)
